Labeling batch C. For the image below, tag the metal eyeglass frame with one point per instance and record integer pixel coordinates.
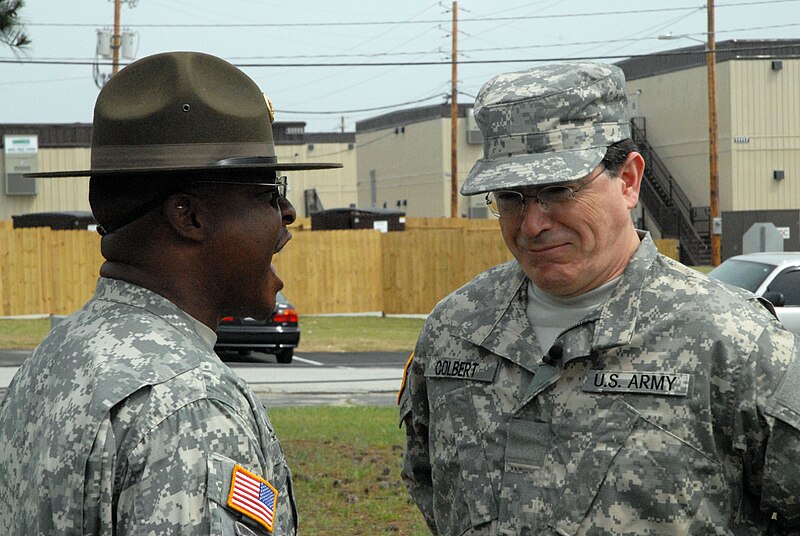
(547, 197)
(280, 183)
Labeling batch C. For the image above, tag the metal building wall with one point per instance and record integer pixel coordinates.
(335, 187)
(67, 194)
(765, 126)
(758, 130)
(406, 161)
(675, 108)
(411, 162)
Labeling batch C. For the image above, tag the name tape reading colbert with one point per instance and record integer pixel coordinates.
(651, 383)
(469, 370)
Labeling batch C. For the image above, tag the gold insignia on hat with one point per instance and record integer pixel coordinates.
(270, 108)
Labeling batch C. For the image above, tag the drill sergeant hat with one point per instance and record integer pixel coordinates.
(547, 125)
(175, 118)
(181, 111)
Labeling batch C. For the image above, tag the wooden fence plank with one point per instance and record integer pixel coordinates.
(55, 272)
(5, 271)
(332, 271)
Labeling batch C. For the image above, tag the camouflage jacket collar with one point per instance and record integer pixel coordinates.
(617, 322)
(499, 322)
(124, 293)
(502, 326)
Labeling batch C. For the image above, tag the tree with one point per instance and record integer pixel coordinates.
(11, 31)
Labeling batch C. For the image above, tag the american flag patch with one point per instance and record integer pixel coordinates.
(253, 496)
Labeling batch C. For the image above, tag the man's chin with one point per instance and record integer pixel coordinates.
(550, 277)
(275, 281)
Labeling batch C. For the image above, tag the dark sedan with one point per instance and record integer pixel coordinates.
(279, 335)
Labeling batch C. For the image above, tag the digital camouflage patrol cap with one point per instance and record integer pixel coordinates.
(547, 125)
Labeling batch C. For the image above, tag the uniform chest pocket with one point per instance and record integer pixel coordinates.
(608, 478)
(463, 492)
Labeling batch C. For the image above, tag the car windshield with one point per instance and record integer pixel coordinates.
(745, 274)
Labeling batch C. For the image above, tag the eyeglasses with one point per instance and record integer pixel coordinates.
(511, 203)
(280, 183)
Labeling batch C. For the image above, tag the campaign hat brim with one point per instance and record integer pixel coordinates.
(266, 166)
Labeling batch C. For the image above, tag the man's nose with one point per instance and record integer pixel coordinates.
(535, 218)
(288, 213)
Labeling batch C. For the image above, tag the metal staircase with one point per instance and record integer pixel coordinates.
(669, 205)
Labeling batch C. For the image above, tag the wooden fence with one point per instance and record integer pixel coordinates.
(46, 272)
(54, 272)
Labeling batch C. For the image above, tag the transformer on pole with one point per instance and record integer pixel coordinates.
(113, 43)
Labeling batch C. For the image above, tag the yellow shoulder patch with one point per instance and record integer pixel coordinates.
(405, 374)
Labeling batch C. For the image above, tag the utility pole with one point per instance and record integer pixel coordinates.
(113, 44)
(116, 40)
(454, 119)
(714, 210)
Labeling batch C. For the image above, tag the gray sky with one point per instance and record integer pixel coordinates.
(300, 39)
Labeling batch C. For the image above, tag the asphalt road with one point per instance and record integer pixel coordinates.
(313, 378)
(325, 359)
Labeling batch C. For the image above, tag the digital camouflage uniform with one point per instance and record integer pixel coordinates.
(673, 409)
(124, 421)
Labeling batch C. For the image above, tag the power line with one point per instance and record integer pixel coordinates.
(43, 81)
(403, 22)
(421, 63)
(81, 61)
(365, 109)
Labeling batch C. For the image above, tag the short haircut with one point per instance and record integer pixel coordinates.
(117, 201)
(617, 154)
(121, 199)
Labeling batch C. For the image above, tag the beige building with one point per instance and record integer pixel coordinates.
(404, 161)
(758, 109)
(333, 187)
(65, 147)
(56, 147)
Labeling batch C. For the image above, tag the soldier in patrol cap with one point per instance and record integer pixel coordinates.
(592, 385)
(124, 420)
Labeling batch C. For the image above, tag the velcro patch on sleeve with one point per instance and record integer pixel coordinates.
(253, 497)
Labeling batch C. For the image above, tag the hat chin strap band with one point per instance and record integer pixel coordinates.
(110, 157)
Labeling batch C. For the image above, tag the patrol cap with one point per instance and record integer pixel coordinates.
(181, 112)
(549, 124)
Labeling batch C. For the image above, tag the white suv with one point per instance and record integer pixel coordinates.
(774, 276)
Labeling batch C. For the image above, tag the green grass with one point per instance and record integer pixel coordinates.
(358, 333)
(23, 334)
(319, 333)
(346, 465)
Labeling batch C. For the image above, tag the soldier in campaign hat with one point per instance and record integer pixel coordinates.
(124, 420)
(592, 385)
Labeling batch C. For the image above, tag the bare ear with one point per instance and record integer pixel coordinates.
(631, 174)
(186, 215)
